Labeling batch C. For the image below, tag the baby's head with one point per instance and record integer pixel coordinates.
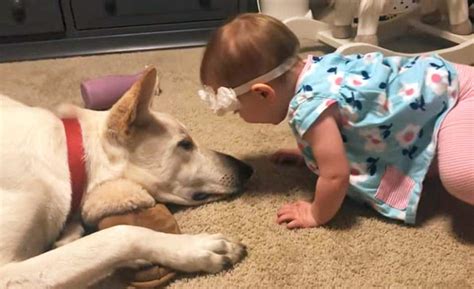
(249, 62)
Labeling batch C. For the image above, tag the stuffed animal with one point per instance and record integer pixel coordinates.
(157, 218)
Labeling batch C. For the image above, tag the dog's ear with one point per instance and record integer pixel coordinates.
(133, 108)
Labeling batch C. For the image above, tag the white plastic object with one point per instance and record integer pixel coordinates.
(284, 9)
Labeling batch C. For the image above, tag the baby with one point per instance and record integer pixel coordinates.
(368, 125)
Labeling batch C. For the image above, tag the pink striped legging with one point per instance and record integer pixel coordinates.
(455, 150)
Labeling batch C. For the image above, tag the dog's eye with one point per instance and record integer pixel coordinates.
(200, 196)
(186, 144)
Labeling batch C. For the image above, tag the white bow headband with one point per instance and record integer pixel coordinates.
(226, 98)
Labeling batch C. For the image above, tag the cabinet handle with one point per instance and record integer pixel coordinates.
(110, 7)
(206, 4)
(18, 10)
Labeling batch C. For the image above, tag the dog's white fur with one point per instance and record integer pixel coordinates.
(133, 158)
(369, 11)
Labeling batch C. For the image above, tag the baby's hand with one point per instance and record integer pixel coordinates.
(296, 215)
(288, 156)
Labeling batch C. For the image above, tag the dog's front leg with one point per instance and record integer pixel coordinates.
(114, 197)
(83, 262)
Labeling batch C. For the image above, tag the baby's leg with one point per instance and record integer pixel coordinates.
(456, 141)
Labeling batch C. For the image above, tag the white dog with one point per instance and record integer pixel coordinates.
(132, 158)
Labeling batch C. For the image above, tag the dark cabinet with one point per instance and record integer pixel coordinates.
(32, 29)
(27, 17)
(91, 14)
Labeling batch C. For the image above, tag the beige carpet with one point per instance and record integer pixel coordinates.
(358, 249)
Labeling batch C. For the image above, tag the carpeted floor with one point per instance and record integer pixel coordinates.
(358, 249)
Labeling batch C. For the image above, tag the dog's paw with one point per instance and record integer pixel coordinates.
(205, 252)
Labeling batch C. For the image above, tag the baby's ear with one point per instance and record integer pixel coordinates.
(264, 90)
(132, 108)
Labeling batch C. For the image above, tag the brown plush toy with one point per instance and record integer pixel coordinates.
(157, 218)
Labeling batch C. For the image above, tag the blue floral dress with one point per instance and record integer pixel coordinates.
(391, 109)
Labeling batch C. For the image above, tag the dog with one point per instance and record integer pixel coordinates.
(132, 158)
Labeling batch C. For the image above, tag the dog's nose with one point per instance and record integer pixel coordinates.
(243, 170)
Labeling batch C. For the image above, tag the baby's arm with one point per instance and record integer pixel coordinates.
(332, 184)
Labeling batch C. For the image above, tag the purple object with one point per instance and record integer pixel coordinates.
(101, 93)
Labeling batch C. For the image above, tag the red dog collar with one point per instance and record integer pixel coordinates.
(76, 161)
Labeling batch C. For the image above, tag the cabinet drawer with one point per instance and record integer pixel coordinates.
(92, 14)
(26, 17)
